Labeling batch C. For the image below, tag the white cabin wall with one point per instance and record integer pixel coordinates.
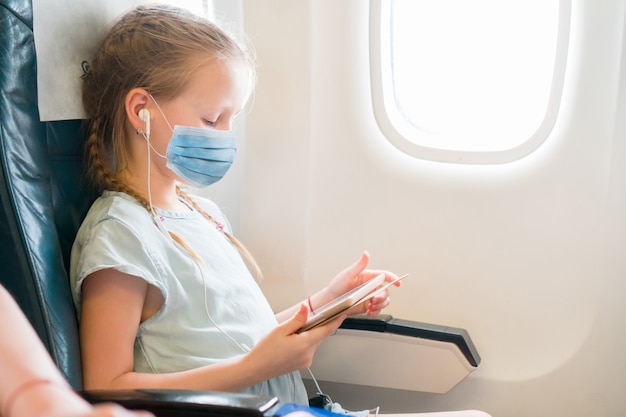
(276, 191)
(527, 256)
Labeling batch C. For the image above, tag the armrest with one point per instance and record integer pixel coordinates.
(404, 355)
(186, 403)
(387, 324)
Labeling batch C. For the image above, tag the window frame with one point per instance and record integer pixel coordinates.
(396, 132)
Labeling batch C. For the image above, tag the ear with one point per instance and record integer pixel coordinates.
(136, 100)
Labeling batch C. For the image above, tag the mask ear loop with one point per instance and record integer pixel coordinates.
(161, 111)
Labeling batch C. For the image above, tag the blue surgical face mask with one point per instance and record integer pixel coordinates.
(199, 156)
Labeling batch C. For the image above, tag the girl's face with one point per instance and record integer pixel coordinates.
(215, 95)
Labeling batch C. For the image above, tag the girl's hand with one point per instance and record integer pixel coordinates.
(355, 275)
(283, 350)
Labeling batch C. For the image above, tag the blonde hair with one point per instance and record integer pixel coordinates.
(158, 48)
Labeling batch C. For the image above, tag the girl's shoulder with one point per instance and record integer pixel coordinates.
(117, 216)
(117, 206)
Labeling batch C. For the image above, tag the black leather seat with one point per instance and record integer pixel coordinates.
(43, 200)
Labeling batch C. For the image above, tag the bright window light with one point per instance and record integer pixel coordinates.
(199, 7)
(468, 81)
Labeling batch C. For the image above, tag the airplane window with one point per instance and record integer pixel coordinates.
(468, 81)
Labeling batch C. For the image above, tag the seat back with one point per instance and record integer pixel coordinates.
(42, 195)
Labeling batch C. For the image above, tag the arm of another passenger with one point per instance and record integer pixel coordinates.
(31, 385)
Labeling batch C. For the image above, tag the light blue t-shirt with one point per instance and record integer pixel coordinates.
(119, 233)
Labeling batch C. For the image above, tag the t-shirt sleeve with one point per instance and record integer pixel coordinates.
(113, 244)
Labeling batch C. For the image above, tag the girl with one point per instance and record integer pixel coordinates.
(163, 290)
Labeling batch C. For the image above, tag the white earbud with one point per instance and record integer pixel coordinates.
(144, 115)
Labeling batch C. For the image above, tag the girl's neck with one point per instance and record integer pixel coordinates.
(163, 195)
(170, 203)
